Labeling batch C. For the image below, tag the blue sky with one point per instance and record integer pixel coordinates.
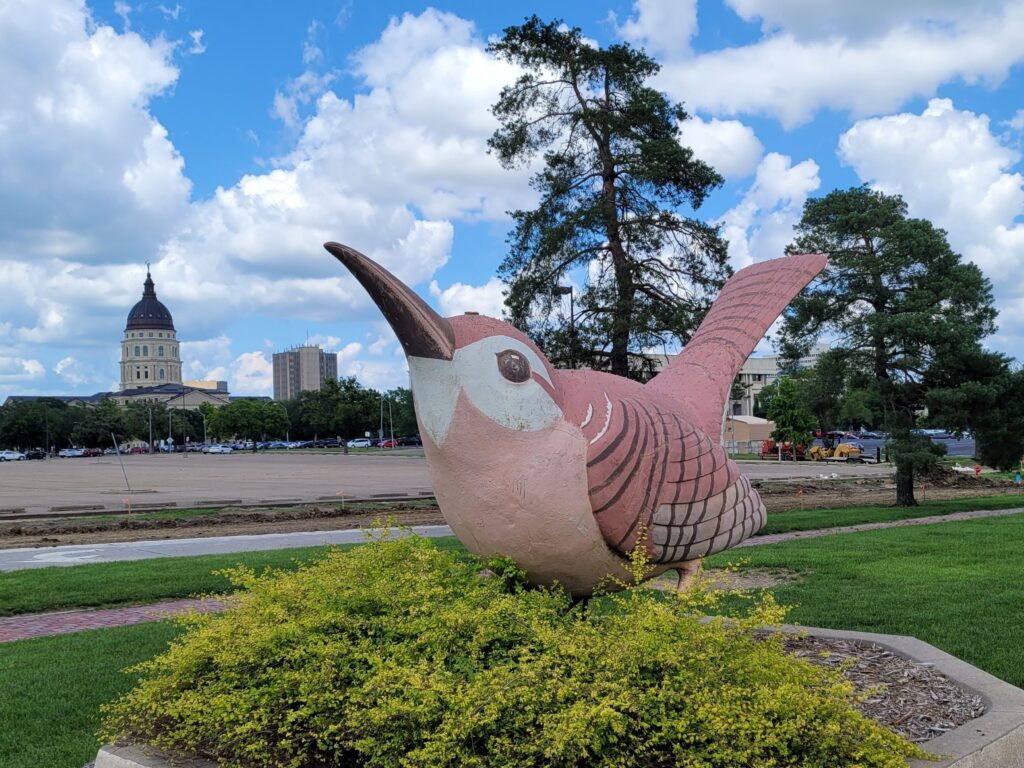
(223, 142)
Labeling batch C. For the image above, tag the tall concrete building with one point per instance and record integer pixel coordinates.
(302, 368)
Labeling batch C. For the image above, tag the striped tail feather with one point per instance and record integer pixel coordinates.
(751, 300)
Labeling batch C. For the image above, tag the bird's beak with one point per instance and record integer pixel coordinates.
(422, 332)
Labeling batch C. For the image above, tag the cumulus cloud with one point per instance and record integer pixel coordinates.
(251, 373)
(15, 370)
(910, 50)
(856, 20)
(459, 298)
(662, 27)
(761, 226)
(951, 169)
(88, 173)
(728, 146)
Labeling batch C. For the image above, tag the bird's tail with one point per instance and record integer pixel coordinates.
(750, 301)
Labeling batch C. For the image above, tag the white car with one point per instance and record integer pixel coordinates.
(218, 449)
(11, 456)
(70, 453)
(360, 442)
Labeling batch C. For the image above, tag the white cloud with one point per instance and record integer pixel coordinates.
(378, 374)
(74, 372)
(311, 53)
(728, 146)
(124, 11)
(856, 20)
(790, 77)
(251, 373)
(14, 370)
(761, 226)
(1017, 121)
(952, 170)
(171, 13)
(459, 298)
(88, 173)
(198, 46)
(663, 27)
(200, 356)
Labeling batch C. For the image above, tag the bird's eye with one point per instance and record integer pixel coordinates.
(513, 366)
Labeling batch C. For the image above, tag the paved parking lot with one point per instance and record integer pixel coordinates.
(197, 479)
(244, 478)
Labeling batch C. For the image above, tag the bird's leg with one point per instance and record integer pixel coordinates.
(687, 574)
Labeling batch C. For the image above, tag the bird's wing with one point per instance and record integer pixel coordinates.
(648, 469)
(703, 373)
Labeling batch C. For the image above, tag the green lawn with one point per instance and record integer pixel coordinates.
(811, 519)
(53, 688)
(956, 585)
(35, 590)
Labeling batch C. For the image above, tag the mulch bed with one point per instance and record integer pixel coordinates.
(912, 698)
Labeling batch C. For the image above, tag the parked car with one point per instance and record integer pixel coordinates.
(411, 440)
(360, 442)
(92, 452)
(35, 453)
(867, 434)
(136, 449)
(218, 449)
(328, 442)
(389, 444)
(70, 453)
(12, 456)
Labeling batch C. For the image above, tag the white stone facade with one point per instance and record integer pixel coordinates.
(149, 358)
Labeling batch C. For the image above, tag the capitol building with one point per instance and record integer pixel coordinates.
(151, 363)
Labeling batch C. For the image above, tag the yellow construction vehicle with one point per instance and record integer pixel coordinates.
(842, 452)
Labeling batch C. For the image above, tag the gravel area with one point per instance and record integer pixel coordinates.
(911, 698)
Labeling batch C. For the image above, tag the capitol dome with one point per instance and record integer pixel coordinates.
(149, 313)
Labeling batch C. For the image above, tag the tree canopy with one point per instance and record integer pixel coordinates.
(897, 304)
(614, 188)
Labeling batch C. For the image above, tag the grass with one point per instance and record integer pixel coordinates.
(812, 519)
(53, 688)
(35, 590)
(954, 585)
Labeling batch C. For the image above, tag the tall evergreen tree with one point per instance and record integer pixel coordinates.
(895, 301)
(613, 188)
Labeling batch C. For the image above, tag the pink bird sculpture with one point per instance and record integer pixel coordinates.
(562, 469)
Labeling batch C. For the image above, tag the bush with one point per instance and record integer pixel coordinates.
(401, 654)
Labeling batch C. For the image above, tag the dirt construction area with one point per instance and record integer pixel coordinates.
(281, 493)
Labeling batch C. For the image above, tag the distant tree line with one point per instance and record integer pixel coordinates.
(343, 409)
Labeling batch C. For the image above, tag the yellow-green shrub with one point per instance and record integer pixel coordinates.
(401, 654)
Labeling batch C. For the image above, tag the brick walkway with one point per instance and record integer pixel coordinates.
(63, 622)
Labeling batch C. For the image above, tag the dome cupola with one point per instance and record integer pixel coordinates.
(149, 313)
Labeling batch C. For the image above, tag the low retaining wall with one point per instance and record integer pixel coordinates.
(994, 740)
